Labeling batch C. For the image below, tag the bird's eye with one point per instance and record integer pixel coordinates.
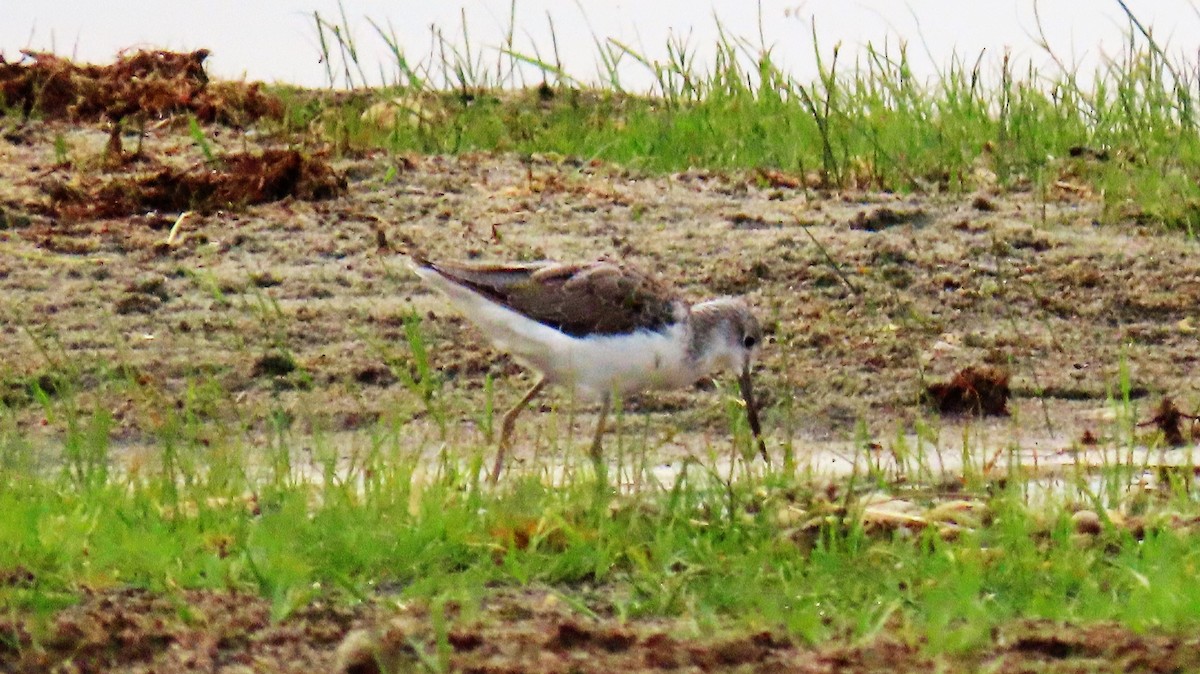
(749, 341)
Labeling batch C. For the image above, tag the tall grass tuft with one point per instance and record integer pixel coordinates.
(1125, 133)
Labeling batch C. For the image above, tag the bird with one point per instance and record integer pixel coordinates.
(601, 328)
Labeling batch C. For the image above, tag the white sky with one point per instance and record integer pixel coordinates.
(275, 40)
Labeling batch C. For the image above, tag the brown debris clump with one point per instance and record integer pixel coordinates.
(884, 217)
(1167, 419)
(238, 180)
(779, 179)
(974, 390)
(153, 83)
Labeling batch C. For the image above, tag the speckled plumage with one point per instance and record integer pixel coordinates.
(603, 297)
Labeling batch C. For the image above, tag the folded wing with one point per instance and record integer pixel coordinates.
(603, 297)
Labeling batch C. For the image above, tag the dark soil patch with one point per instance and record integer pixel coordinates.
(1047, 646)
(153, 83)
(514, 631)
(744, 221)
(974, 390)
(551, 641)
(274, 365)
(375, 375)
(236, 180)
(137, 303)
(1085, 152)
(137, 631)
(884, 217)
(983, 203)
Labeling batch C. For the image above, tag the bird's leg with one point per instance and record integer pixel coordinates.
(510, 420)
(598, 438)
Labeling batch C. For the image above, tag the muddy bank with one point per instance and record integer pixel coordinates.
(861, 321)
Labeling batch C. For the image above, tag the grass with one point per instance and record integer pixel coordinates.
(1127, 132)
(718, 545)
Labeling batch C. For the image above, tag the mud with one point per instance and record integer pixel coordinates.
(859, 322)
(528, 631)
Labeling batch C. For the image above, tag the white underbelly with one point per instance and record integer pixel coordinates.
(597, 366)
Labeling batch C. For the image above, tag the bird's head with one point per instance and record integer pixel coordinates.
(728, 336)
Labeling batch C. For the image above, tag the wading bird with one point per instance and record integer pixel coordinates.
(600, 328)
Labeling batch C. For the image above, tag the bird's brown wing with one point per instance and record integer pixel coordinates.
(603, 297)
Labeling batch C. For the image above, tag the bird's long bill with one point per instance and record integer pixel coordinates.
(752, 412)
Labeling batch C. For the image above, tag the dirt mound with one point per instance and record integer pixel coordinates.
(235, 180)
(154, 83)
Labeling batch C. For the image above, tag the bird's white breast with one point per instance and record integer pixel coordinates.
(599, 365)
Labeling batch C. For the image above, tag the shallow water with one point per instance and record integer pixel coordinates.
(1046, 465)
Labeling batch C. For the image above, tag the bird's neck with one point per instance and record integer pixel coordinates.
(708, 351)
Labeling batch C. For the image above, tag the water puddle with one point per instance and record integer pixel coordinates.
(956, 457)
